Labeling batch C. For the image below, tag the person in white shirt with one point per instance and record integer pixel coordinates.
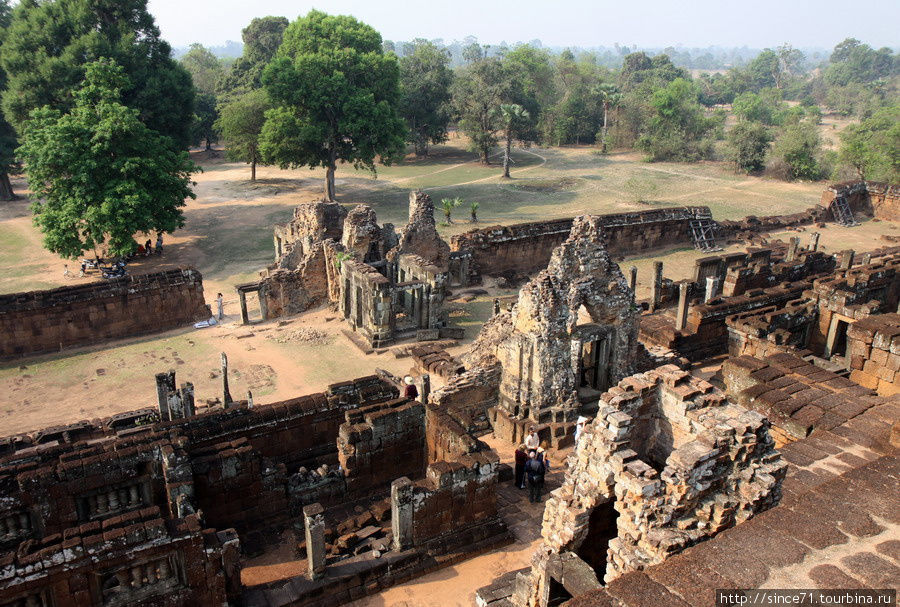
(579, 428)
(532, 442)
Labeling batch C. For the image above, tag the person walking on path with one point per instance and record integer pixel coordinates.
(521, 459)
(535, 471)
(220, 303)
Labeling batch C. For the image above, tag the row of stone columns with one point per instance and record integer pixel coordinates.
(138, 576)
(111, 501)
(14, 524)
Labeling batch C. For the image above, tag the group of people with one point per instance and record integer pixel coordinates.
(146, 249)
(532, 464)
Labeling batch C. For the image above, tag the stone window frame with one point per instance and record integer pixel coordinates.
(175, 561)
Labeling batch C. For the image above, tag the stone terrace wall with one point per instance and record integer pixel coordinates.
(872, 198)
(47, 321)
(525, 248)
(874, 349)
(380, 443)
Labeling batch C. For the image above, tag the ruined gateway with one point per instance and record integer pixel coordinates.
(678, 484)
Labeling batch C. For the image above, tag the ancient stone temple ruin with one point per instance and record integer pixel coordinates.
(740, 424)
(386, 285)
(574, 333)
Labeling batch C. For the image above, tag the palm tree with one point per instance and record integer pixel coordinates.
(474, 208)
(448, 204)
(610, 97)
(514, 117)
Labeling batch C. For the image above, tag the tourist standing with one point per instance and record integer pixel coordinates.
(532, 442)
(221, 305)
(521, 459)
(535, 471)
(159, 243)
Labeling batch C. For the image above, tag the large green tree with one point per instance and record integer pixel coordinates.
(241, 121)
(478, 90)
(206, 72)
(747, 145)
(49, 43)
(98, 174)
(261, 41)
(797, 152)
(7, 133)
(515, 120)
(336, 96)
(425, 93)
(678, 128)
(872, 147)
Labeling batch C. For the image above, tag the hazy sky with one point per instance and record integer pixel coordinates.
(656, 23)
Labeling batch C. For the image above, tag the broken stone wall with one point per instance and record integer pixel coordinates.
(367, 302)
(771, 330)
(871, 198)
(677, 463)
(380, 443)
(874, 351)
(526, 248)
(137, 558)
(466, 399)
(48, 321)
(312, 222)
(420, 237)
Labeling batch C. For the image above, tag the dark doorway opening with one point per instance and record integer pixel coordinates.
(595, 364)
(601, 529)
(840, 339)
(558, 594)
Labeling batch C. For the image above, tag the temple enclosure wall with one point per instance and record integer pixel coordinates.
(881, 200)
(47, 321)
(526, 247)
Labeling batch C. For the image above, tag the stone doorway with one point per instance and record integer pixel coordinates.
(558, 594)
(595, 364)
(602, 528)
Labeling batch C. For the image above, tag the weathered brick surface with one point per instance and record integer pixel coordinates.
(47, 321)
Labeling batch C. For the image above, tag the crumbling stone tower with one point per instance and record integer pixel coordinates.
(574, 335)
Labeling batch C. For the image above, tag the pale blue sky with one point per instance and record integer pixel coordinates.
(585, 23)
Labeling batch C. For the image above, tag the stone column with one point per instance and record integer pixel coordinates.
(496, 306)
(633, 282)
(656, 288)
(426, 388)
(165, 383)
(847, 259)
(401, 513)
(245, 316)
(187, 399)
(249, 399)
(814, 241)
(226, 397)
(712, 288)
(681, 315)
(792, 248)
(314, 521)
(867, 259)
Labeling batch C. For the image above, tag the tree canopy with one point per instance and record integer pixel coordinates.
(678, 128)
(98, 174)
(49, 43)
(336, 95)
(425, 94)
(872, 147)
(261, 41)
(206, 73)
(478, 91)
(241, 121)
(8, 141)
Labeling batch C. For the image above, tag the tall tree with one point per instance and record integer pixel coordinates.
(610, 97)
(336, 95)
(7, 133)
(98, 174)
(49, 43)
(747, 146)
(425, 93)
(515, 121)
(261, 41)
(478, 90)
(241, 121)
(206, 73)
(872, 147)
(797, 151)
(678, 128)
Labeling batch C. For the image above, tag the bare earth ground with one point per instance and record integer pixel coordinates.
(228, 237)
